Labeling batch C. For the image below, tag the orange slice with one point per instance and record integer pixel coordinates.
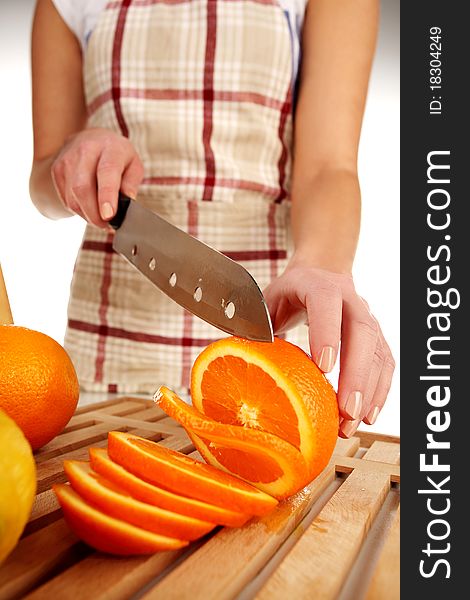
(117, 503)
(146, 492)
(264, 388)
(106, 534)
(284, 469)
(184, 475)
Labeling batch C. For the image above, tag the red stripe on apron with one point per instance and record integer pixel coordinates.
(97, 246)
(209, 98)
(174, 94)
(108, 257)
(239, 255)
(135, 336)
(116, 67)
(242, 255)
(188, 341)
(285, 112)
(238, 184)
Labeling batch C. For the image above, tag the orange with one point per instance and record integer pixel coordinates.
(152, 494)
(106, 533)
(272, 394)
(38, 384)
(184, 475)
(283, 468)
(117, 503)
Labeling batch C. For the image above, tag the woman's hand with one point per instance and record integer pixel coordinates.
(75, 170)
(328, 302)
(90, 170)
(326, 205)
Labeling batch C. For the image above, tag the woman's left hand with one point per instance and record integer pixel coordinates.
(334, 312)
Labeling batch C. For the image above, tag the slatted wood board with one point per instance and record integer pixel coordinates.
(338, 538)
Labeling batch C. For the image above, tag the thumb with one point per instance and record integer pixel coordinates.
(285, 308)
(272, 302)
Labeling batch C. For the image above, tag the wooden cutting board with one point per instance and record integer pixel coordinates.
(337, 538)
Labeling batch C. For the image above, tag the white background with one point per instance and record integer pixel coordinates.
(37, 255)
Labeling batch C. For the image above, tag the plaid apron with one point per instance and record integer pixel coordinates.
(203, 89)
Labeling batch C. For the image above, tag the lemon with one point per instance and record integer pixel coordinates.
(17, 483)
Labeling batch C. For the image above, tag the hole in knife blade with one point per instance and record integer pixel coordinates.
(173, 279)
(229, 310)
(197, 294)
(152, 264)
(134, 250)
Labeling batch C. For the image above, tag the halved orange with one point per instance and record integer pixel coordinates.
(152, 494)
(272, 388)
(117, 503)
(184, 475)
(106, 534)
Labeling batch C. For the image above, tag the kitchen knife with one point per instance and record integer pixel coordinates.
(199, 278)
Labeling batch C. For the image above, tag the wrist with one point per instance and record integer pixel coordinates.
(43, 192)
(326, 220)
(323, 259)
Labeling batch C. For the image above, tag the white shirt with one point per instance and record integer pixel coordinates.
(81, 17)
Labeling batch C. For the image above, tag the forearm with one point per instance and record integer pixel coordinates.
(43, 192)
(58, 101)
(338, 44)
(326, 211)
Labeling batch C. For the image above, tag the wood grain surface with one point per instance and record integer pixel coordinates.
(304, 549)
(385, 584)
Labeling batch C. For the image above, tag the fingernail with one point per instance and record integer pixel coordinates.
(353, 406)
(107, 211)
(326, 360)
(372, 415)
(349, 427)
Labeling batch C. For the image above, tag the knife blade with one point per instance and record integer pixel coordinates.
(204, 281)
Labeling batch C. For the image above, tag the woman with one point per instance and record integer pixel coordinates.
(198, 108)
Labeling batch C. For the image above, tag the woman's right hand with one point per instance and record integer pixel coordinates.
(91, 169)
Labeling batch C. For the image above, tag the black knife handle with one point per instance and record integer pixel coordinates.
(123, 205)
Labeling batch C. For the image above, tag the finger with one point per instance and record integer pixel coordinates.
(383, 385)
(285, 307)
(58, 179)
(75, 208)
(111, 166)
(358, 347)
(340, 423)
(375, 371)
(324, 308)
(82, 188)
(132, 178)
(348, 428)
(288, 314)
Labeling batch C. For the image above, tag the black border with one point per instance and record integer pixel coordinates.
(422, 133)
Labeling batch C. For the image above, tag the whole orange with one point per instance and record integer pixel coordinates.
(38, 384)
